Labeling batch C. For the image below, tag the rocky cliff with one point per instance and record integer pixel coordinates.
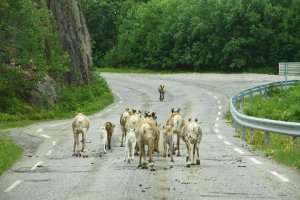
(74, 37)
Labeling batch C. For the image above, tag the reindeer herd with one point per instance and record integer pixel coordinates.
(141, 130)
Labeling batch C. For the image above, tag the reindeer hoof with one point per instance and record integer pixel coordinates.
(198, 162)
(178, 154)
(164, 155)
(188, 165)
(140, 166)
(152, 169)
(169, 155)
(193, 164)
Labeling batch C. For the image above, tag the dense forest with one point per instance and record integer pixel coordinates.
(194, 35)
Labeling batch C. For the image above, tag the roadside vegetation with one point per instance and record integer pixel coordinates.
(89, 99)
(280, 105)
(9, 152)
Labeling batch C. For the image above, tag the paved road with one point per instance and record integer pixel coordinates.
(229, 168)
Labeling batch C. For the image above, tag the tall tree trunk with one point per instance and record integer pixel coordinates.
(75, 38)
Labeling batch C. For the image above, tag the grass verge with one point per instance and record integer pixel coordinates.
(9, 153)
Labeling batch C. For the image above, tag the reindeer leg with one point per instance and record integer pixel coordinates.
(188, 156)
(198, 158)
(194, 148)
(74, 135)
(84, 143)
(178, 143)
(171, 146)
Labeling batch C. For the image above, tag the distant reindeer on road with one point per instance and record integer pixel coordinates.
(161, 91)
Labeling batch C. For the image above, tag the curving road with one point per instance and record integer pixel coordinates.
(229, 168)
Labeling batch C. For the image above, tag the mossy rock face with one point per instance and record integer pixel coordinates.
(46, 93)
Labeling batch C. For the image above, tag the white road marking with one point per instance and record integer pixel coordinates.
(39, 130)
(15, 184)
(54, 143)
(220, 107)
(217, 119)
(238, 150)
(108, 110)
(255, 161)
(219, 113)
(219, 102)
(121, 101)
(116, 105)
(215, 97)
(209, 93)
(57, 124)
(49, 152)
(99, 115)
(220, 137)
(217, 130)
(226, 142)
(279, 176)
(216, 125)
(36, 165)
(45, 136)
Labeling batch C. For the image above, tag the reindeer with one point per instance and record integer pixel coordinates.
(110, 129)
(123, 119)
(192, 134)
(168, 141)
(176, 121)
(80, 125)
(147, 135)
(161, 91)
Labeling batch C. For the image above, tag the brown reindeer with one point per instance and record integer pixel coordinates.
(161, 91)
(147, 133)
(110, 129)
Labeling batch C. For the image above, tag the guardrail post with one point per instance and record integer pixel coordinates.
(243, 133)
(286, 73)
(266, 91)
(236, 127)
(251, 133)
(251, 96)
(267, 138)
(294, 142)
(260, 91)
(243, 100)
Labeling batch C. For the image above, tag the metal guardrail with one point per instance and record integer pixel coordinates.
(274, 126)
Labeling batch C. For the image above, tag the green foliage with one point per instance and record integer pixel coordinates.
(228, 35)
(30, 48)
(102, 18)
(9, 153)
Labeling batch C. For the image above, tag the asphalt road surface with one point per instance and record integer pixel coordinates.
(229, 168)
